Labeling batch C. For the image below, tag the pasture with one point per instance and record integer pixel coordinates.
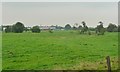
(66, 50)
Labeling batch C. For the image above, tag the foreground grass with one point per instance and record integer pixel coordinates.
(59, 50)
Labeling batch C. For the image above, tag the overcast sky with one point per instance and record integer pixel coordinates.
(59, 13)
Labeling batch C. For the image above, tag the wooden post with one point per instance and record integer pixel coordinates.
(108, 63)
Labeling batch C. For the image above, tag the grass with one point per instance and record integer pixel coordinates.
(59, 50)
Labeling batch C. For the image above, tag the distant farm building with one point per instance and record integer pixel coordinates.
(47, 27)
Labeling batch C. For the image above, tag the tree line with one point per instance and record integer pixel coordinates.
(99, 29)
(19, 28)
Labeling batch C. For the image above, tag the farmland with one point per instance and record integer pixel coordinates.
(59, 50)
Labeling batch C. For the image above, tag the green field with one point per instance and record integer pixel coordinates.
(59, 50)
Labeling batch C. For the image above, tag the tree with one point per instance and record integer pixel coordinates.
(99, 27)
(111, 27)
(80, 27)
(18, 27)
(84, 24)
(91, 28)
(59, 27)
(74, 28)
(1, 29)
(27, 29)
(84, 28)
(67, 27)
(50, 31)
(8, 29)
(100, 30)
(35, 29)
(115, 29)
(118, 28)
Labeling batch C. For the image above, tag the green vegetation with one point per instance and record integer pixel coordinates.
(67, 27)
(100, 30)
(35, 29)
(112, 28)
(59, 50)
(84, 29)
(18, 27)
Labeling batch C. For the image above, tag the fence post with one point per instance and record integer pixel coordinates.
(108, 63)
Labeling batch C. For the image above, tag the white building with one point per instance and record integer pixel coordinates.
(47, 27)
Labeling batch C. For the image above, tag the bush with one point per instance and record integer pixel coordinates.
(18, 27)
(36, 29)
(111, 28)
(89, 32)
(51, 31)
(118, 28)
(115, 30)
(67, 27)
(102, 31)
(8, 29)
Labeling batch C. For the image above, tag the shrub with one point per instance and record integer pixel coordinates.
(51, 31)
(36, 29)
(18, 27)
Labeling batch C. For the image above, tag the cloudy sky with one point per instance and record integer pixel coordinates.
(59, 13)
